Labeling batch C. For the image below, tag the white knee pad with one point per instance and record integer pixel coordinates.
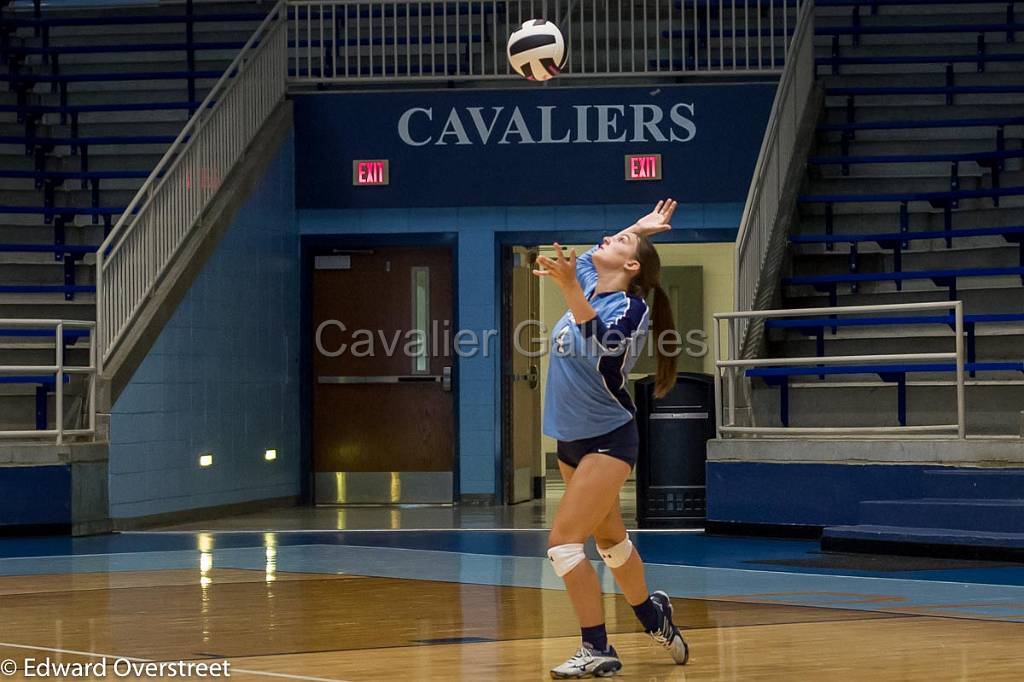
(564, 558)
(617, 555)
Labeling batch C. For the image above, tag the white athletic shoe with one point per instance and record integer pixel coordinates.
(588, 663)
(668, 634)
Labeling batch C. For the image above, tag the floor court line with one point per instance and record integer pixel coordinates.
(93, 654)
(293, 531)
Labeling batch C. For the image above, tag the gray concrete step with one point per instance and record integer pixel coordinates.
(39, 233)
(939, 182)
(42, 273)
(930, 48)
(947, 144)
(69, 195)
(17, 411)
(912, 12)
(915, 259)
(899, 103)
(1014, 77)
(812, 222)
(42, 354)
(993, 409)
(867, 113)
(47, 307)
(990, 295)
(962, 248)
(994, 342)
(891, 208)
(206, 30)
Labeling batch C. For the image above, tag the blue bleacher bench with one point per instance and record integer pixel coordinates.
(889, 373)
(898, 241)
(943, 278)
(816, 327)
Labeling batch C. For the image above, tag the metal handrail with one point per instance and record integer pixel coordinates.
(616, 39)
(731, 364)
(59, 369)
(169, 197)
(762, 205)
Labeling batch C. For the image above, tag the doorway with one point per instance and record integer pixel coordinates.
(533, 306)
(383, 407)
(522, 347)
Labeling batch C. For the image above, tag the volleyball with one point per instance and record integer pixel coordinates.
(537, 50)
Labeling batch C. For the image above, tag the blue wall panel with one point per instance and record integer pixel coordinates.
(530, 146)
(804, 494)
(223, 375)
(35, 495)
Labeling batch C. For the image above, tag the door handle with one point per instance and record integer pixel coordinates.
(446, 379)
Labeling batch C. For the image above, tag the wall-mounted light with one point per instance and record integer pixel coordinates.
(270, 455)
(206, 459)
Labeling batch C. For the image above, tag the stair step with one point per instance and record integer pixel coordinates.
(987, 515)
(951, 537)
(996, 406)
(976, 483)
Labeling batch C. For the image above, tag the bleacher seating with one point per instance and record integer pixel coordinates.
(914, 192)
(891, 373)
(816, 327)
(93, 99)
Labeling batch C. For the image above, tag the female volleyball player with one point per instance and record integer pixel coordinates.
(589, 411)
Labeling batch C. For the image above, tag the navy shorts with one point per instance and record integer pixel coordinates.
(622, 443)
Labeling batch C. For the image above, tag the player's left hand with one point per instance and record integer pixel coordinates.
(658, 220)
(561, 268)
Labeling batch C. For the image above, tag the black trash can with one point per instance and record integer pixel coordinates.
(674, 430)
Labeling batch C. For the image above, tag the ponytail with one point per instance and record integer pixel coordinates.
(665, 378)
(646, 281)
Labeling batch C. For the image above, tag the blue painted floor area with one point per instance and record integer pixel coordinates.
(665, 548)
(685, 565)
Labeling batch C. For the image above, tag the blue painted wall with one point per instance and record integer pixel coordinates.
(35, 495)
(223, 375)
(532, 146)
(479, 232)
(804, 494)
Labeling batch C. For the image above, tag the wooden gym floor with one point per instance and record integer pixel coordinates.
(458, 605)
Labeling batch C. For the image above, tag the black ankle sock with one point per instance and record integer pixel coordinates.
(596, 637)
(648, 614)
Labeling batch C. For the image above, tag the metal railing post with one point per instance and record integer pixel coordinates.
(58, 415)
(716, 332)
(734, 364)
(961, 408)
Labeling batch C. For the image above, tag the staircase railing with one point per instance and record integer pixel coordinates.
(346, 41)
(164, 213)
(60, 373)
(731, 371)
(759, 222)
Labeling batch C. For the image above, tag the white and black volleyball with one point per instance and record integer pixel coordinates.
(537, 50)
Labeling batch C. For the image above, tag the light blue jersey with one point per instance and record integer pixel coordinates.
(586, 393)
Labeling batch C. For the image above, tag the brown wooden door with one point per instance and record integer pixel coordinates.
(522, 459)
(383, 406)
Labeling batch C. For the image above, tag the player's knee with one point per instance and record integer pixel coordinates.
(566, 557)
(614, 554)
(562, 534)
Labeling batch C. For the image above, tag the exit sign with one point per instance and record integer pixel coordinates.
(370, 172)
(643, 167)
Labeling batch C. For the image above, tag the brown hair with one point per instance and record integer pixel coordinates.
(646, 280)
